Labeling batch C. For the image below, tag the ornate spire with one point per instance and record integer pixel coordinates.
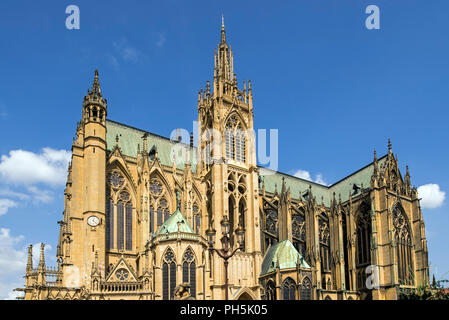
(30, 259)
(389, 145)
(223, 32)
(42, 258)
(96, 89)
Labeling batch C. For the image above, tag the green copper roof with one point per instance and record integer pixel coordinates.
(273, 181)
(130, 137)
(284, 254)
(172, 226)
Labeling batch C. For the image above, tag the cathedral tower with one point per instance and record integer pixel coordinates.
(82, 236)
(228, 165)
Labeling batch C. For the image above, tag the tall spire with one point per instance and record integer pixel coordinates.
(389, 145)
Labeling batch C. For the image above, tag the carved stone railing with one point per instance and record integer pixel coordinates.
(122, 286)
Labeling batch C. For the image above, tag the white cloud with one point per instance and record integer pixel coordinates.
(6, 192)
(5, 204)
(40, 195)
(12, 264)
(13, 259)
(303, 174)
(126, 52)
(432, 196)
(25, 167)
(161, 40)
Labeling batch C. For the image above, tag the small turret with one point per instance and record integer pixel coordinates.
(94, 105)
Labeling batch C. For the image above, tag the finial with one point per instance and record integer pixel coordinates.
(223, 33)
(30, 258)
(389, 145)
(96, 85)
(116, 139)
(375, 155)
(42, 257)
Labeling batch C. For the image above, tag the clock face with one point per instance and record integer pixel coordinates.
(93, 221)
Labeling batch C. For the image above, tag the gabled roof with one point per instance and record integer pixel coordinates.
(283, 254)
(174, 223)
(130, 138)
(272, 179)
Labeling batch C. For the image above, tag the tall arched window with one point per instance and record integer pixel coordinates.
(189, 271)
(404, 247)
(159, 210)
(235, 140)
(270, 233)
(270, 291)
(168, 275)
(289, 289)
(129, 226)
(151, 219)
(120, 225)
(324, 245)
(231, 208)
(242, 209)
(363, 258)
(196, 218)
(299, 233)
(119, 213)
(110, 224)
(305, 292)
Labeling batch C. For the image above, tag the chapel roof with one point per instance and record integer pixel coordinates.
(283, 254)
(176, 222)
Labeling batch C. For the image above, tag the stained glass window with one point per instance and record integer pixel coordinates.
(129, 226)
(305, 292)
(289, 289)
(189, 271)
(120, 225)
(168, 276)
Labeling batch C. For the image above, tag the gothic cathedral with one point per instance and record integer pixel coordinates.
(137, 224)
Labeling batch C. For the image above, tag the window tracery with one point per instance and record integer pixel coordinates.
(168, 275)
(289, 289)
(189, 271)
(324, 244)
(305, 292)
(235, 140)
(159, 208)
(119, 213)
(404, 247)
(299, 233)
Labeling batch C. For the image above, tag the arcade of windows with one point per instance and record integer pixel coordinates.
(169, 273)
(289, 289)
(119, 214)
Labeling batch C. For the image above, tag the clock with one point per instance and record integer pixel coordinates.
(93, 221)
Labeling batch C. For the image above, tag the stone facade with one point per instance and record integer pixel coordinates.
(135, 219)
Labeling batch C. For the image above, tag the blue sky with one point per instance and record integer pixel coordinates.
(334, 89)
